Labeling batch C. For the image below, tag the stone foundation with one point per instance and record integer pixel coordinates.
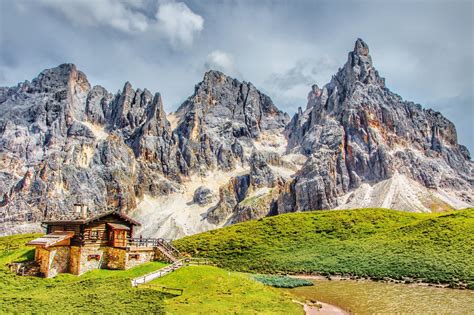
(79, 260)
(117, 258)
(91, 258)
(138, 257)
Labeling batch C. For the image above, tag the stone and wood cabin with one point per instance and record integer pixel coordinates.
(104, 241)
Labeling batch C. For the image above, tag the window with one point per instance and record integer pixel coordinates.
(94, 235)
(93, 257)
(134, 256)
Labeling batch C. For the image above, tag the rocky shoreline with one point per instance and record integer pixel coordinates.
(407, 281)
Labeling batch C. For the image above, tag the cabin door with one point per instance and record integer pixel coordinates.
(119, 238)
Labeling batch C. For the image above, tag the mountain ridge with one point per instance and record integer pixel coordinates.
(65, 142)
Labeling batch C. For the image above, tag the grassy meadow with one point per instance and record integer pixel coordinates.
(211, 290)
(207, 290)
(376, 243)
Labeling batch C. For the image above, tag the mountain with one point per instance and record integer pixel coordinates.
(368, 147)
(227, 155)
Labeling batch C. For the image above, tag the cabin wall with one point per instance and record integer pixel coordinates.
(76, 228)
(53, 260)
(144, 255)
(97, 233)
(64, 227)
(117, 258)
(84, 259)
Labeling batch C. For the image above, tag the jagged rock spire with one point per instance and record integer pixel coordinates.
(361, 48)
(359, 68)
(356, 131)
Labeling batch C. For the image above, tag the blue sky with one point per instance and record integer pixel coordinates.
(424, 49)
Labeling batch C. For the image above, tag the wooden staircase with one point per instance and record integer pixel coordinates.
(169, 251)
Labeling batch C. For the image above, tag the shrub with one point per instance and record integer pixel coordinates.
(282, 281)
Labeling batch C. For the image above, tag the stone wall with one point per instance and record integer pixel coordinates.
(78, 260)
(117, 258)
(143, 257)
(88, 262)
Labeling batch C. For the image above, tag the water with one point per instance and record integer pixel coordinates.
(368, 297)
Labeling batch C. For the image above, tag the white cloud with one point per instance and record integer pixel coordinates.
(289, 87)
(174, 21)
(178, 23)
(118, 15)
(222, 61)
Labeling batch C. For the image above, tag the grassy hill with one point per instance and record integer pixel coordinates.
(376, 243)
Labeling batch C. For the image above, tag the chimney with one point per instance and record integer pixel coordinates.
(84, 212)
(80, 210)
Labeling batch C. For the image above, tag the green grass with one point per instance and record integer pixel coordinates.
(282, 281)
(103, 291)
(211, 290)
(208, 290)
(376, 243)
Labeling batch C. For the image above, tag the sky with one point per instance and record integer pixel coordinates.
(423, 48)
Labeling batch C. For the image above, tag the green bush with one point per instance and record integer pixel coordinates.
(282, 281)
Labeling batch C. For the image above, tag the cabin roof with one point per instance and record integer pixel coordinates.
(51, 239)
(94, 218)
(118, 226)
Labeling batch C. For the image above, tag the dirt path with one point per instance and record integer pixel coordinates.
(321, 308)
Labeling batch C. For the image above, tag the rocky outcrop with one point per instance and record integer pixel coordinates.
(203, 196)
(222, 118)
(249, 196)
(355, 130)
(261, 175)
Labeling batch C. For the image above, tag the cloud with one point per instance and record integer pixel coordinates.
(174, 21)
(289, 87)
(222, 61)
(305, 72)
(178, 23)
(118, 15)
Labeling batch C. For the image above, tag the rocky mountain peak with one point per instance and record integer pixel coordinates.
(221, 117)
(358, 69)
(60, 77)
(361, 48)
(361, 132)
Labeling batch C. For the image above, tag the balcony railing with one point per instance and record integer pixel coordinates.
(153, 242)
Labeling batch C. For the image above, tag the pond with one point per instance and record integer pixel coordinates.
(369, 297)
